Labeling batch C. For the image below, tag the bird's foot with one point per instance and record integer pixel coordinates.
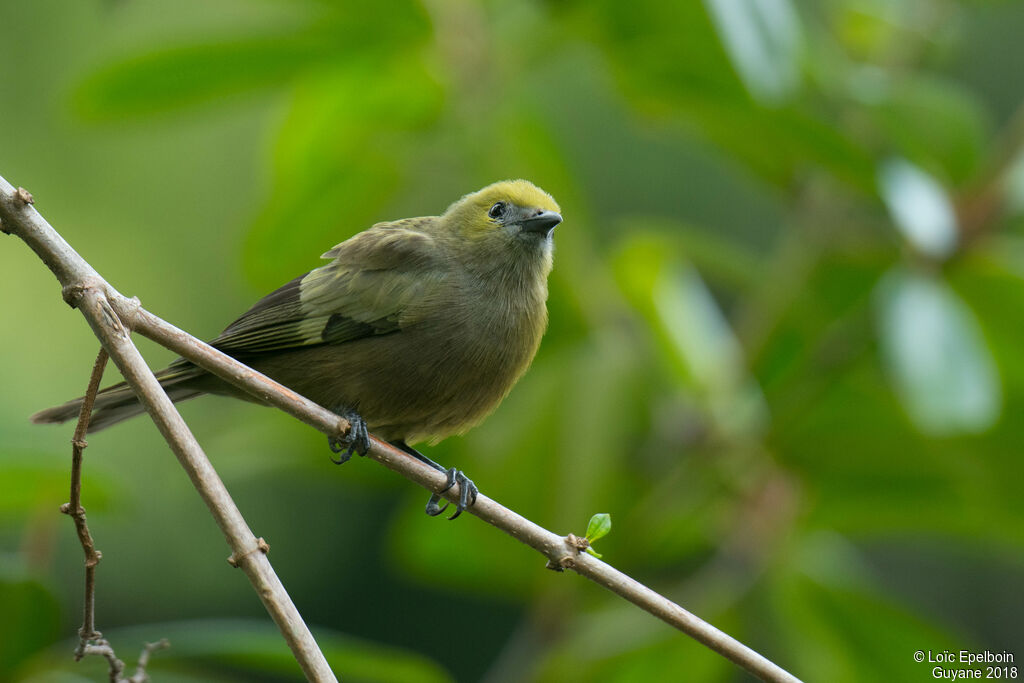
(467, 494)
(357, 440)
(467, 489)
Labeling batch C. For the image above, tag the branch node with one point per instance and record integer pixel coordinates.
(128, 310)
(77, 512)
(261, 546)
(112, 319)
(23, 196)
(343, 428)
(74, 292)
(562, 563)
(577, 543)
(86, 636)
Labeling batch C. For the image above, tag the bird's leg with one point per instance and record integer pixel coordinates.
(356, 441)
(467, 489)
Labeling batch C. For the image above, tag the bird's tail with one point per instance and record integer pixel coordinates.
(118, 402)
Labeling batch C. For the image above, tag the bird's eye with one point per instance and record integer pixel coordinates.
(497, 211)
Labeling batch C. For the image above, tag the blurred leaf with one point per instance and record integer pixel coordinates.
(887, 33)
(649, 30)
(920, 208)
(250, 649)
(1015, 185)
(935, 124)
(936, 355)
(183, 76)
(693, 80)
(882, 475)
(29, 619)
(763, 40)
(821, 306)
(848, 635)
(599, 526)
(790, 140)
(600, 408)
(991, 280)
(674, 297)
(719, 258)
(337, 162)
(831, 559)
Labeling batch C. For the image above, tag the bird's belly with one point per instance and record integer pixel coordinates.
(420, 383)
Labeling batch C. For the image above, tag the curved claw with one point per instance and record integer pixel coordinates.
(467, 489)
(467, 494)
(432, 505)
(356, 441)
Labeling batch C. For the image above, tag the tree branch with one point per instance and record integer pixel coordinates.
(84, 289)
(106, 309)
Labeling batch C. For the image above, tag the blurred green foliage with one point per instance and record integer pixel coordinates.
(784, 350)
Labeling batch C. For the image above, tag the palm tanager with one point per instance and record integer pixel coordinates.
(415, 330)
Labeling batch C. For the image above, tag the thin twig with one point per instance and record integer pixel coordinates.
(90, 641)
(140, 675)
(101, 648)
(77, 512)
(107, 311)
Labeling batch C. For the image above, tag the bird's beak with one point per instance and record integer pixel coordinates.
(542, 222)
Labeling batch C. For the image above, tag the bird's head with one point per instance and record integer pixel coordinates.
(510, 211)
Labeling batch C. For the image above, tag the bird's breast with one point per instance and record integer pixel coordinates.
(490, 339)
(452, 367)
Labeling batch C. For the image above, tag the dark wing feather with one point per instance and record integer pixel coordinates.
(373, 286)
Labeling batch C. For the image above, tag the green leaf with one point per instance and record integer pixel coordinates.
(723, 259)
(762, 37)
(694, 331)
(599, 526)
(936, 355)
(694, 80)
(936, 124)
(349, 133)
(920, 207)
(1015, 185)
(182, 76)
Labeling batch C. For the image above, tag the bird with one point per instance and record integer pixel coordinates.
(415, 330)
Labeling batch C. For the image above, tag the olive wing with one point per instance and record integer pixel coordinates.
(378, 282)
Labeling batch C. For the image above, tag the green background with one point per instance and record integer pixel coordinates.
(785, 350)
